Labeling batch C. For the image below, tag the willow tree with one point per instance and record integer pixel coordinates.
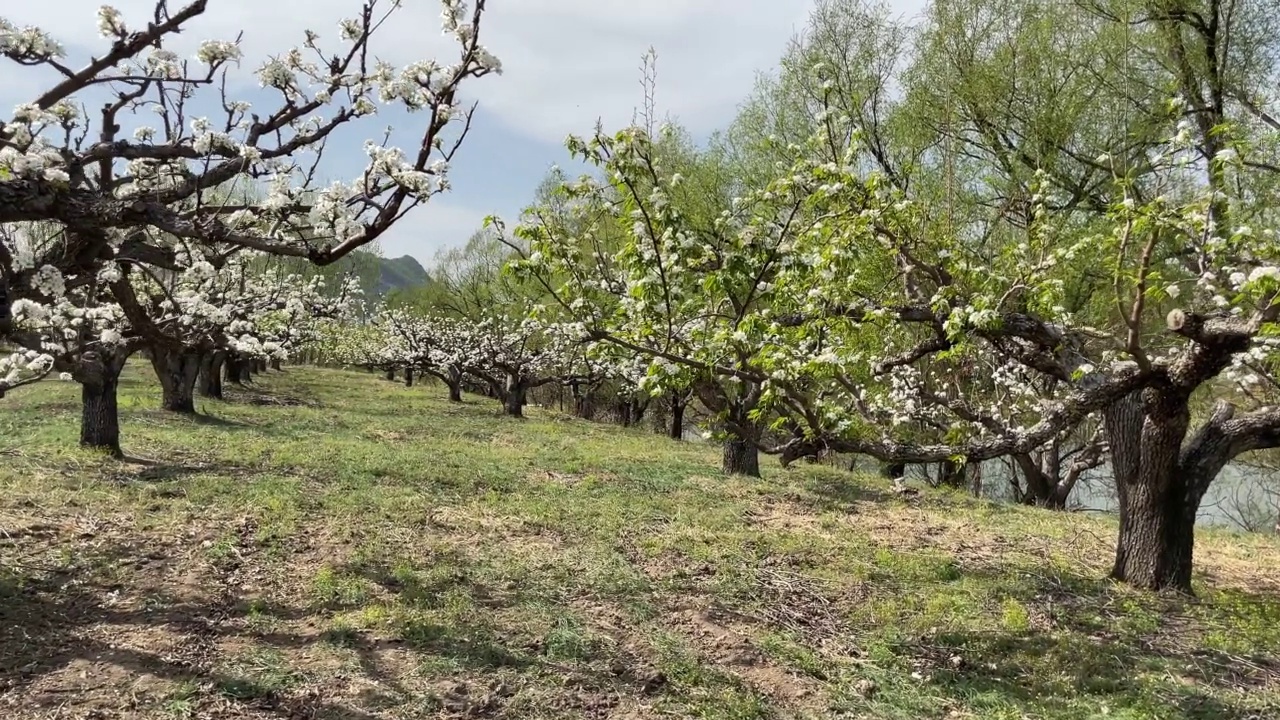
(1159, 189)
(1065, 237)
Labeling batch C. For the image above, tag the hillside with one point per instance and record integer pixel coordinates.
(400, 274)
(328, 544)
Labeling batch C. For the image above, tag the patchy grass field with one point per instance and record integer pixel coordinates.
(331, 545)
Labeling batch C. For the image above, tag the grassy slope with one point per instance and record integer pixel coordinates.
(378, 553)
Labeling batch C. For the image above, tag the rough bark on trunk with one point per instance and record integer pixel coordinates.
(1158, 494)
(514, 398)
(1043, 486)
(741, 457)
(99, 379)
(455, 392)
(177, 370)
(515, 401)
(741, 452)
(209, 382)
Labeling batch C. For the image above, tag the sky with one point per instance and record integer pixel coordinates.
(566, 63)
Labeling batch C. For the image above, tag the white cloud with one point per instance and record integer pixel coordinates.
(566, 62)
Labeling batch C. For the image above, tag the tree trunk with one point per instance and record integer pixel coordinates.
(513, 397)
(676, 431)
(275, 364)
(408, 377)
(1157, 499)
(1043, 488)
(177, 370)
(455, 385)
(209, 382)
(1157, 536)
(259, 365)
(236, 370)
(391, 374)
(893, 470)
(741, 457)
(99, 415)
(951, 474)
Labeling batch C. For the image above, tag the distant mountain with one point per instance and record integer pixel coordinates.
(400, 273)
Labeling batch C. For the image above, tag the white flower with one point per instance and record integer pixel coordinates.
(216, 51)
(1173, 291)
(110, 23)
(1267, 271)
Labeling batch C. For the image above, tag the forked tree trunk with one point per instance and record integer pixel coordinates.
(1043, 488)
(99, 378)
(209, 383)
(177, 370)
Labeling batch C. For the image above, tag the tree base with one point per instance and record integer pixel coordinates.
(741, 457)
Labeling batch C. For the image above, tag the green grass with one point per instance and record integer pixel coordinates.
(330, 544)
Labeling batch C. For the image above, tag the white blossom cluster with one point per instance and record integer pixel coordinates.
(160, 194)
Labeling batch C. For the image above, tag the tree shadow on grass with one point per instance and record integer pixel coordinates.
(203, 419)
(837, 492)
(159, 471)
(1088, 639)
(1048, 673)
(110, 635)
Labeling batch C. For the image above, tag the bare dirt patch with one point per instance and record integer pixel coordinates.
(727, 640)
